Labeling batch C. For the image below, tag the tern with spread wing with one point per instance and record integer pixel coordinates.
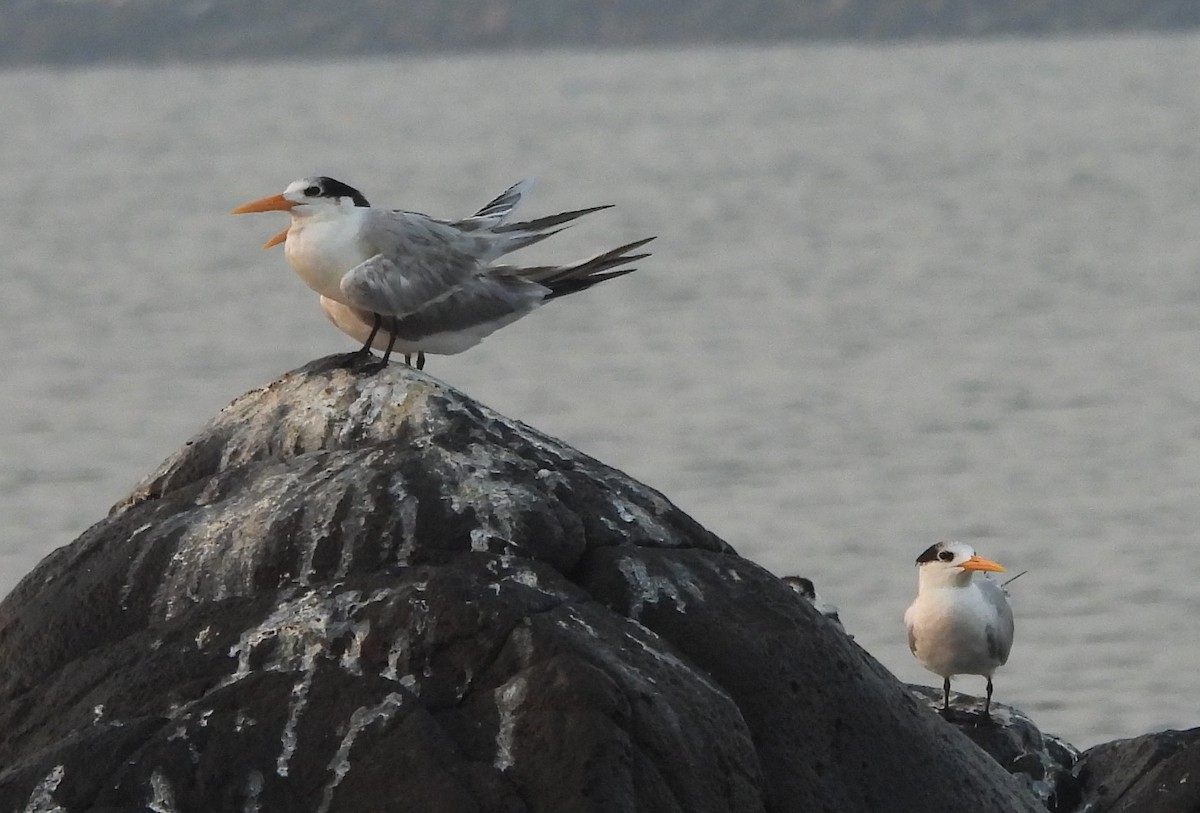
(959, 625)
(399, 280)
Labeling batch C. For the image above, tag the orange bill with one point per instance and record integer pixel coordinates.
(275, 203)
(979, 563)
(277, 239)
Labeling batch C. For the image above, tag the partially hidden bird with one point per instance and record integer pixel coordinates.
(959, 625)
(404, 281)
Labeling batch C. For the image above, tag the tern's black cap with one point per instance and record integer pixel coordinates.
(930, 554)
(333, 188)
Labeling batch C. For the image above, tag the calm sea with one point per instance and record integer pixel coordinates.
(901, 294)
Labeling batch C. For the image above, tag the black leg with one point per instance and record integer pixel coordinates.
(391, 342)
(987, 704)
(420, 359)
(366, 348)
(946, 696)
(363, 353)
(408, 359)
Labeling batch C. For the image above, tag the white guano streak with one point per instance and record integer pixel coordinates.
(163, 798)
(360, 719)
(41, 799)
(508, 703)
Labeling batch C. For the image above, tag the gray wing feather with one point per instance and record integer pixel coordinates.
(417, 261)
(1000, 636)
(542, 223)
(501, 294)
(382, 286)
(486, 301)
(497, 211)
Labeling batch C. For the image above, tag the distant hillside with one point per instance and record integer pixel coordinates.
(81, 31)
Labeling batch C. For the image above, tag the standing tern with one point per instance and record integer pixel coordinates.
(394, 279)
(957, 625)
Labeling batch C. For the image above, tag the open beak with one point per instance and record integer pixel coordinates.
(277, 239)
(979, 563)
(275, 203)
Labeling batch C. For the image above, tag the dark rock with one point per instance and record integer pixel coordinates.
(1042, 761)
(1154, 773)
(368, 592)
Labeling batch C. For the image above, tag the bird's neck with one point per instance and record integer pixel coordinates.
(943, 580)
(321, 213)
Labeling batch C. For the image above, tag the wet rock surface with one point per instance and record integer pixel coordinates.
(364, 591)
(1154, 773)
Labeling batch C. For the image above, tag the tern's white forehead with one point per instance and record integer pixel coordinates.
(298, 188)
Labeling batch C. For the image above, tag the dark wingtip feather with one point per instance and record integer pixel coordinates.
(546, 222)
(573, 285)
(506, 201)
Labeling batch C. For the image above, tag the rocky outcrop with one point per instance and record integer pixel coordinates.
(1042, 762)
(360, 590)
(1155, 773)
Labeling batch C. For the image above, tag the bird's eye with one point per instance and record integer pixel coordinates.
(945, 556)
(313, 191)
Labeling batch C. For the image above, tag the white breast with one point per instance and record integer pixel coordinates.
(949, 630)
(322, 249)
